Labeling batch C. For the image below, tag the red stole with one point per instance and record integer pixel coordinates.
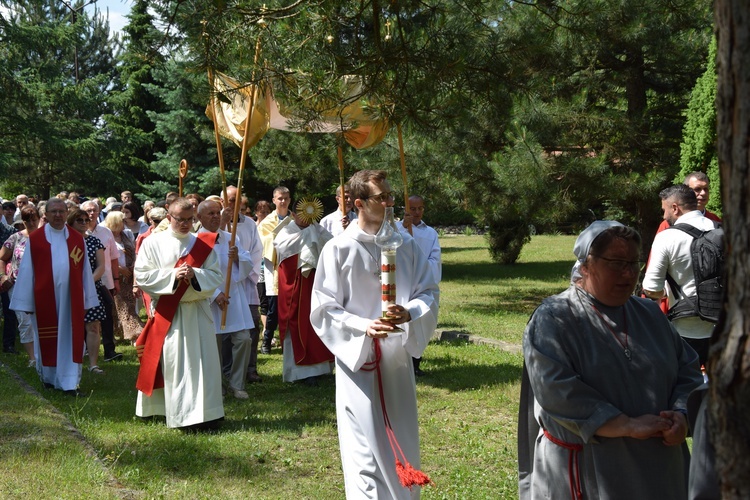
(295, 292)
(44, 290)
(151, 341)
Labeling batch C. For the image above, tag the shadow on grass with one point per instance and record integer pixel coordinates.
(517, 301)
(463, 249)
(446, 369)
(277, 415)
(543, 271)
(273, 404)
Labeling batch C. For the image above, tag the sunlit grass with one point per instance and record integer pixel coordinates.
(282, 443)
(493, 300)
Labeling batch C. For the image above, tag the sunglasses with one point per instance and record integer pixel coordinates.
(83, 221)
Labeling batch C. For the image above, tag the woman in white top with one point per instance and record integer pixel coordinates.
(129, 321)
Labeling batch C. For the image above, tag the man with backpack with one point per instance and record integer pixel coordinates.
(689, 256)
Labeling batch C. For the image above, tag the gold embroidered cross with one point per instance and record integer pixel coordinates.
(76, 254)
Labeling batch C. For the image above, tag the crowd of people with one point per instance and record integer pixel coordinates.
(210, 275)
(608, 375)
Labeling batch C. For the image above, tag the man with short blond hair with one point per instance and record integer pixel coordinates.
(336, 222)
(427, 240)
(268, 229)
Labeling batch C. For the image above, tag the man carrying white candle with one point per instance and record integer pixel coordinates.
(371, 359)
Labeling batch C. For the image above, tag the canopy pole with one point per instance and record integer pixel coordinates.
(403, 171)
(342, 200)
(217, 136)
(238, 199)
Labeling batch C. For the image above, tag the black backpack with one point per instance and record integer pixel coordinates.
(707, 254)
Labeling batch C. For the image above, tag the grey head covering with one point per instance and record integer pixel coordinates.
(588, 235)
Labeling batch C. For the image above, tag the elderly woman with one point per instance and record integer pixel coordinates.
(155, 216)
(606, 382)
(147, 205)
(11, 254)
(130, 322)
(79, 220)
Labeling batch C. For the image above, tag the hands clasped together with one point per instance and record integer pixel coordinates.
(185, 272)
(671, 426)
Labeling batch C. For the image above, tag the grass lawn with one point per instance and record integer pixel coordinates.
(282, 443)
(494, 300)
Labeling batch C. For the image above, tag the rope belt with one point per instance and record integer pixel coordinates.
(408, 476)
(574, 472)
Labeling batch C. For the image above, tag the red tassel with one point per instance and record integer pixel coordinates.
(409, 476)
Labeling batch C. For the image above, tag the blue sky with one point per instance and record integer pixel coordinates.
(118, 9)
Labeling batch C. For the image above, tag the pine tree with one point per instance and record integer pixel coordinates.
(698, 148)
(57, 65)
(132, 140)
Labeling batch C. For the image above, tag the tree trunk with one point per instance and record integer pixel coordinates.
(730, 353)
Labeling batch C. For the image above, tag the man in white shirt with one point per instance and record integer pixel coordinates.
(335, 223)
(427, 240)
(21, 201)
(670, 254)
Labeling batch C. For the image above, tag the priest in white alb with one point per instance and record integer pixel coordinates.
(56, 286)
(232, 308)
(372, 358)
(180, 375)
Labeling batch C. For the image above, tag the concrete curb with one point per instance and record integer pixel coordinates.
(452, 335)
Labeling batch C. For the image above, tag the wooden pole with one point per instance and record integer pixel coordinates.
(403, 171)
(342, 200)
(182, 174)
(238, 199)
(217, 136)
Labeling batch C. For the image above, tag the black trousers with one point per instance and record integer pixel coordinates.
(272, 319)
(108, 324)
(701, 347)
(10, 324)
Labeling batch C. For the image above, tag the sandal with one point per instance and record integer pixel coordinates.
(96, 370)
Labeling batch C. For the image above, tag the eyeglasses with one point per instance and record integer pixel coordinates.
(622, 265)
(57, 212)
(181, 221)
(380, 197)
(83, 221)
